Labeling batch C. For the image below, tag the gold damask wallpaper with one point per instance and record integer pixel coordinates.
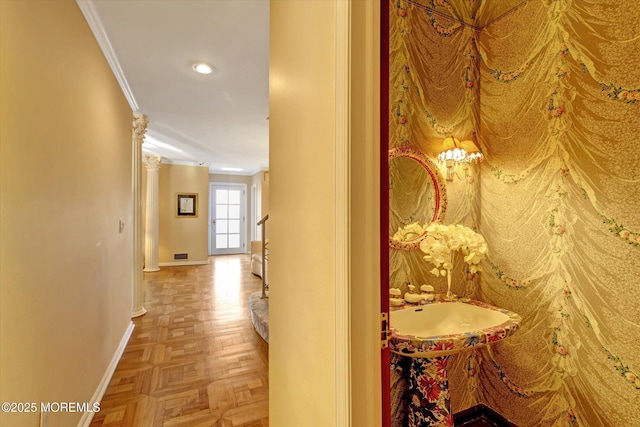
(550, 91)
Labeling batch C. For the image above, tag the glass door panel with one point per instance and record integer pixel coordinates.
(227, 225)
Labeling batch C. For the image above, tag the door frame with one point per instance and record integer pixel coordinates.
(243, 213)
(385, 357)
(254, 212)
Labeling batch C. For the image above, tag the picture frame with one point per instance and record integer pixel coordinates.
(187, 205)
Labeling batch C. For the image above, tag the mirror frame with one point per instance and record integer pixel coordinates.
(439, 185)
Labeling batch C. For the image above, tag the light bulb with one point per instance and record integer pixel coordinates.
(203, 68)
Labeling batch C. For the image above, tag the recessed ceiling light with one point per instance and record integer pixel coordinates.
(203, 68)
(231, 169)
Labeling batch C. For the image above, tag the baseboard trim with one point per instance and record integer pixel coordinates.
(176, 263)
(87, 417)
(480, 414)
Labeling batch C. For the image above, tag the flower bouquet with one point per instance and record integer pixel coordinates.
(440, 243)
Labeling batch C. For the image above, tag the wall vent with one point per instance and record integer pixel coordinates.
(180, 256)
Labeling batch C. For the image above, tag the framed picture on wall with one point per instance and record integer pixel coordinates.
(187, 205)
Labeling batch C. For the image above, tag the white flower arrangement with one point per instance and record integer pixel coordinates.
(440, 242)
(409, 232)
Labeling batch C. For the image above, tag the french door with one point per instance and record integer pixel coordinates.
(227, 223)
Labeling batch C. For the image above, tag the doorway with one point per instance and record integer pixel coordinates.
(227, 222)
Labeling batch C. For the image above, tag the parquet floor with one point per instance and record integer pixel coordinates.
(194, 359)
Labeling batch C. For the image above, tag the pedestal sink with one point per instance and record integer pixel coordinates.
(429, 334)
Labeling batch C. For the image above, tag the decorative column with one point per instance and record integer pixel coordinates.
(140, 123)
(152, 223)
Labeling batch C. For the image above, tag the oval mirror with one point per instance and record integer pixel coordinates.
(417, 193)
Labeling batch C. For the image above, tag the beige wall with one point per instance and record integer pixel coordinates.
(65, 171)
(264, 193)
(261, 181)
(301, 263)
(302, 215)
(179, 234)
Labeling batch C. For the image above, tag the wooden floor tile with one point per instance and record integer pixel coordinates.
(194, 360)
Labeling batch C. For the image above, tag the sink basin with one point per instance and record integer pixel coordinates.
(428, 334)
(446, 327)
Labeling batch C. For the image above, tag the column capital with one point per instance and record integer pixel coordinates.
(152, 162)
(140, 122)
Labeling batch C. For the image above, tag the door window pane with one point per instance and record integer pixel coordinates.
(234, 211)
(222, 196)
(221, 241)
(222, 211)
(234, 226)
(234, 197)
(234, 241)
(222, 226)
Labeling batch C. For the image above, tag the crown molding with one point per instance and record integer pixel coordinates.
(90, 13)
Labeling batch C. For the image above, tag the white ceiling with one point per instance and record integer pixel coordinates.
(219, 120)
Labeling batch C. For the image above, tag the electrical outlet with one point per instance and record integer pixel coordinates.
(121, 225)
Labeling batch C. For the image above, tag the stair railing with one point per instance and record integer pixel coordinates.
(265, 285)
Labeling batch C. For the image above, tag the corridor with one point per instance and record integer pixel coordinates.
(194, 359)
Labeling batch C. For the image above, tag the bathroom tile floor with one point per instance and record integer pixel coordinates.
(194, 360)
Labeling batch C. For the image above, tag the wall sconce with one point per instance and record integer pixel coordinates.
(451, 154)
(474, 155)
(456, 152)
